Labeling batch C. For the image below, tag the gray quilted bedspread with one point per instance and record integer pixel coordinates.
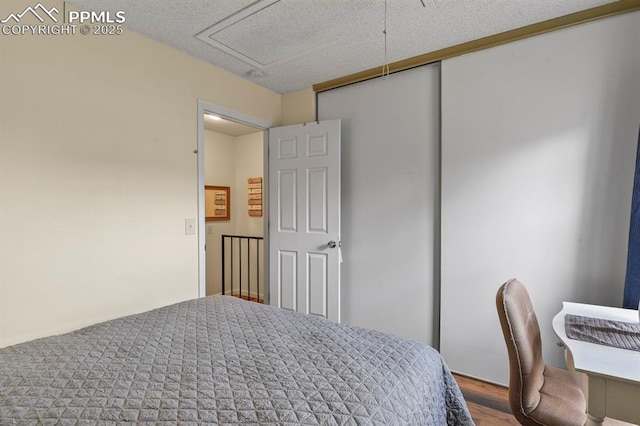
(221, 360)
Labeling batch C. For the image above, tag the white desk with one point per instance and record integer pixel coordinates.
(614, 374)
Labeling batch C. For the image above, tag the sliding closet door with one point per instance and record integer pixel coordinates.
(390, 172)
(538, 153)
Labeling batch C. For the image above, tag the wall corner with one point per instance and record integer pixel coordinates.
(298, 107)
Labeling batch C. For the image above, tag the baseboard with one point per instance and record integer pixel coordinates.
(251, 294)
(480, 379)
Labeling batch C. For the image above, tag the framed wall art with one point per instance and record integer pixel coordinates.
(254, 196)
(216, 203)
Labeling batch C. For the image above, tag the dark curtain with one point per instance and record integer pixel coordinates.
(632, 278)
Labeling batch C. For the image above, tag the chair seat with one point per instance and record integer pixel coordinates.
(560, 397)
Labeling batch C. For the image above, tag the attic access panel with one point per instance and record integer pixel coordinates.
(251, 36)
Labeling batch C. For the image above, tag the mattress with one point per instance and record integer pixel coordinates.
(221, 360)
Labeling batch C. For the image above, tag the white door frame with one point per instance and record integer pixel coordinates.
(204, 106)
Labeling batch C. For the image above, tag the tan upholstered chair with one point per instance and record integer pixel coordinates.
(538, 394)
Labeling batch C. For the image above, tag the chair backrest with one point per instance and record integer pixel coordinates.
(524, 345)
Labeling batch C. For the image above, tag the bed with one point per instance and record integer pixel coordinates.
(222, 360)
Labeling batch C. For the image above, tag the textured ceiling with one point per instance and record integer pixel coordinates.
(286, 45)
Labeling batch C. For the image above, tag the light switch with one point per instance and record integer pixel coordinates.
(209, 229)
(189, 226)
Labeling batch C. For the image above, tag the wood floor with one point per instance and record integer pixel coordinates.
(245, 297)
(488, 403)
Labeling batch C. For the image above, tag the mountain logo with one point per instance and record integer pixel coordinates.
(38, 11)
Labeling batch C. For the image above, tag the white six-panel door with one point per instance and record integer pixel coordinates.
(304, 216)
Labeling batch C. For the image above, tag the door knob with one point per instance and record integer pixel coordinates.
(331, 244)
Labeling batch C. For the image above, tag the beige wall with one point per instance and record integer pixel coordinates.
(230, 161)
(249, 163)
(219, 170)
(298, 107)
(97, 175)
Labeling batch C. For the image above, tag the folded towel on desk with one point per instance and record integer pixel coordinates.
(618, 334)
